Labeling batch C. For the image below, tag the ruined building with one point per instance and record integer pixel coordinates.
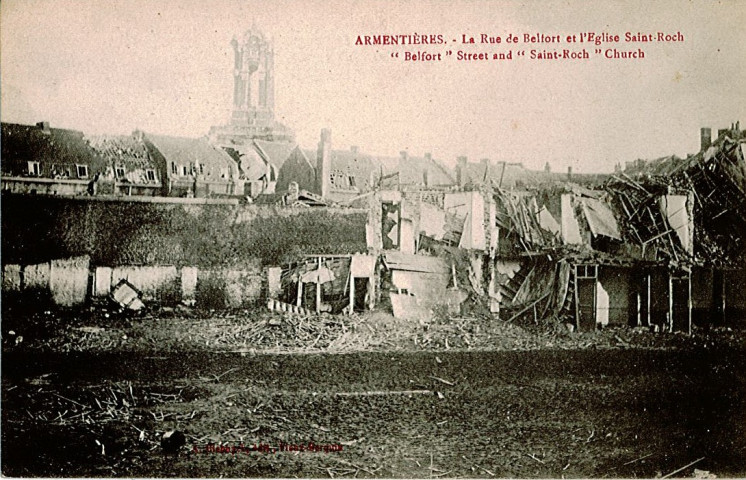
(253, 106)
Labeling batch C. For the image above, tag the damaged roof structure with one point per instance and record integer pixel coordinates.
(130, 167)
(630, 250)
(39, 158)
(661, 247)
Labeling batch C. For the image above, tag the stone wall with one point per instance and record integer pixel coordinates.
(72, 282)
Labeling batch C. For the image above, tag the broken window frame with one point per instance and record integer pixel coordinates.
(385, 206)
(60, 170)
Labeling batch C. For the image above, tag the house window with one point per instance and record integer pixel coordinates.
(60, 171)
(174, 169)
(33, 169)
(150, 174)
(120, 172)
(82, 171)
(587, 271)
(184, 170)
(201, 168)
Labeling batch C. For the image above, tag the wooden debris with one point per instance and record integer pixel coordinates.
(486, 471)
(442, 380)
(638, 459)
(683, 468)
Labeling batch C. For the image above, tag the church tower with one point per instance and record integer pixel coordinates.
(253, 99)
(253, 80)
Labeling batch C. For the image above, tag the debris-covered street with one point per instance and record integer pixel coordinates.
(551, 413)
(92, 394)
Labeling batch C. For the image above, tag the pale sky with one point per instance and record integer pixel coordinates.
(166, 67)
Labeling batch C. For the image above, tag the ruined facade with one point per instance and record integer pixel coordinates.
(253, 99)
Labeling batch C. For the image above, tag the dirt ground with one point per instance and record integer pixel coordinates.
(87, 395)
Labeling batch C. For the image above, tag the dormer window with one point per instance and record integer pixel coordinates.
(120, 172)
(82, 171)
(60, 171)
(33, 169)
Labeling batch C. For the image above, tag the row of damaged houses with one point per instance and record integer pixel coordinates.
(46, 160)
(661, 246)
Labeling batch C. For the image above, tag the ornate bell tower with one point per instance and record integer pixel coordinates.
(253, 105)
(253, 79)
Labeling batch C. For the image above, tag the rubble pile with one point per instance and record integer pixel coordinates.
(716, 177)
(247, 333)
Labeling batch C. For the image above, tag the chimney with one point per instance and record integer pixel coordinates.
(403, 154)
(460, 166)
(428, 156)
(293, 192)
(324, 163)
(547, 167)
(354, 149)
(44, 127)
(569, 173)
(722, 131)
(705, 138)
(138, 135)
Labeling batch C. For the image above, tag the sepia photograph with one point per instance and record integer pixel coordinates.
(373, 239)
